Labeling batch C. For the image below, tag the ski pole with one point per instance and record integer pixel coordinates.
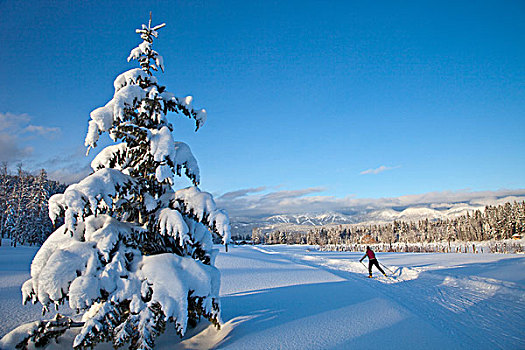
(387, 268)
(363, 264)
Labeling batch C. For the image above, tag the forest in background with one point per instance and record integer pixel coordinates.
(24, 215)
(495, 223)
(24, 219)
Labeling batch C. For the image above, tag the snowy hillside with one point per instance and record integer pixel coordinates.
(290, 222)
(421, 213)
(369, 215)
(294, 297)
(244, 226)
(310, 219)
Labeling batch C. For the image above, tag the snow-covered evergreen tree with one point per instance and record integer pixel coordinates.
(24, 215)
(37, 222)
(4, 196)
(134, 255)
(18, 207)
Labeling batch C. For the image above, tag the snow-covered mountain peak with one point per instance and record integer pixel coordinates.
(289, 221)
(309, 219)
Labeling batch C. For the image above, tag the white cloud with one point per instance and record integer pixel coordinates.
(289, 195)
(13, 122)
(257, 204)
(241, 193)
(15, 129)
(378, 170)
(249, 202)
(42, 130)
(69, 175)
(68, 167)
(11, 148)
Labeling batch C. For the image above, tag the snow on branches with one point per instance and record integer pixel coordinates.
(144, 53)
(134, 76)
(138, 98)
(172, 155)
(67, 269)
(201, 206)
(134, 255)
(104, 189)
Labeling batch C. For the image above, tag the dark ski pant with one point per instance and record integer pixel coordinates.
(373, 262)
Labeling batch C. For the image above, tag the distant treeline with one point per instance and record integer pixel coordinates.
(503, 246)
(24, 216)
(494, 223)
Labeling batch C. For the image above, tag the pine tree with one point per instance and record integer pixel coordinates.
(38, 224)
(18, 207)
(24, 211)
(134, 256)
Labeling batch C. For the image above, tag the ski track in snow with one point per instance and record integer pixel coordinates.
(488, 312)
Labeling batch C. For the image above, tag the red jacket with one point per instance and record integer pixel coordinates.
(370, 254)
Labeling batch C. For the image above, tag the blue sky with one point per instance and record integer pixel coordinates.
(366, 99)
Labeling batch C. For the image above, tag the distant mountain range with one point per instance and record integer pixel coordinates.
(301, 222)
(420, 213)
(310, 219)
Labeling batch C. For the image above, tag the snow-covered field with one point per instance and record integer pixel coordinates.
(294, 297)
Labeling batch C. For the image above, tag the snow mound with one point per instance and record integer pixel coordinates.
(171, 277)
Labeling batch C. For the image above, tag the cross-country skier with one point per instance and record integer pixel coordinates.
(371, 261)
